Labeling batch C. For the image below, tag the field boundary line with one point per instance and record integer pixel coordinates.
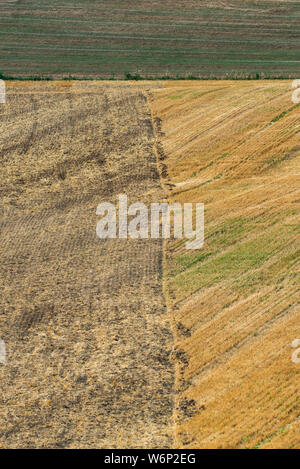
(158, 149)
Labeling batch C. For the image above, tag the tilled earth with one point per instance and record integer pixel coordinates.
(84, 320)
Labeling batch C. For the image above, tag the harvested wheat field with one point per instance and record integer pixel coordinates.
(83, 319)
(139, 343)
(235, 303)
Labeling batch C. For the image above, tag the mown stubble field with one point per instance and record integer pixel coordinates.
(92, 359)
(235, 303)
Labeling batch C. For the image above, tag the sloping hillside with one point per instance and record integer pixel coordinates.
(235, 303)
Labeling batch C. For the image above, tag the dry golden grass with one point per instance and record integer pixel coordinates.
(235, 304)
(83, 319)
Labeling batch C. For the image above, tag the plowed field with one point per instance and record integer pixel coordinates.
(83, 319)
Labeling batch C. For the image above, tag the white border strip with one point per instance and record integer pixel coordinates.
(296, 93)
(2, 92)
(2, 352)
